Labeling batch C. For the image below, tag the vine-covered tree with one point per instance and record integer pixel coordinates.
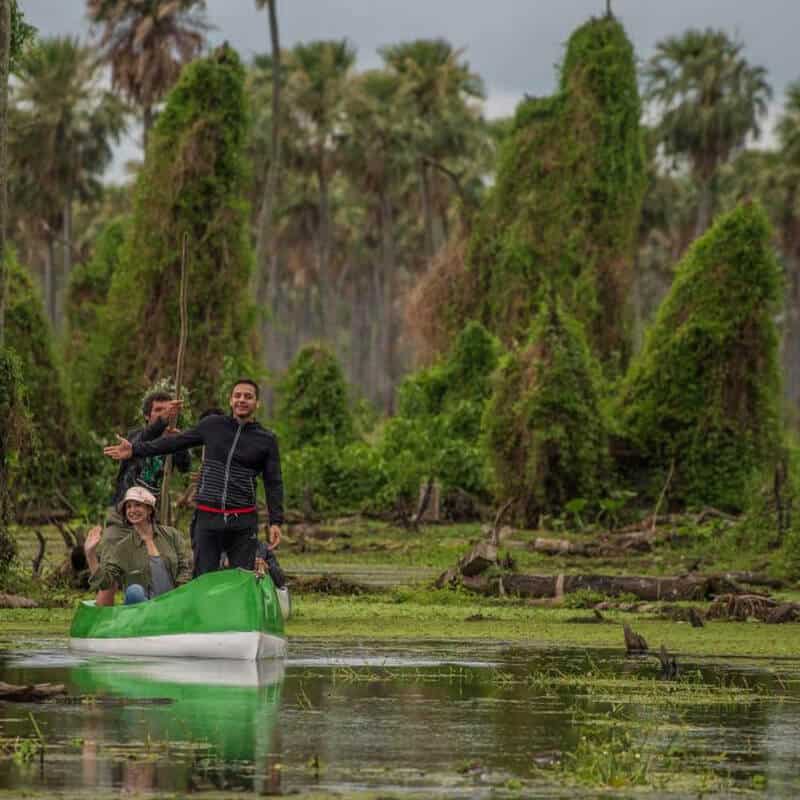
(701, 405)
(192, 184)
(565, 206)
(544, 430)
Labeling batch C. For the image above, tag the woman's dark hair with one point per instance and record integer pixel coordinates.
(210, 412)
(249, 382)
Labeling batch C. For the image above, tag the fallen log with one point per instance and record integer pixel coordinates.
(689, 587)
(31, 693)
(558, 547)
(755, 579)
(16, 601)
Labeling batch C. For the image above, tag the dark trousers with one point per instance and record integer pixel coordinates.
(236, 534)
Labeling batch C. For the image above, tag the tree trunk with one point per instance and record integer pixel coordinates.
(147, 124)
(61, 294)
(5, 54)
(49, 284)
(323, 244)
(704, 207)
(427, 208)
(264, 243)
(387, 333)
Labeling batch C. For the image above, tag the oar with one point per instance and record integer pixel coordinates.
(165, 504)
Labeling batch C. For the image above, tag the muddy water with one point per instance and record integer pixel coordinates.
(422, 719)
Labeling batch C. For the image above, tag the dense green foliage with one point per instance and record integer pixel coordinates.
(566, 204)
(22, 34)
(88, 289)
(14, 431)
(192, 184)
(704, 394)
(544, 429)
(436, 432)
(313, 402)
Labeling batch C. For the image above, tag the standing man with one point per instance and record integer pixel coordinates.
(237, 450)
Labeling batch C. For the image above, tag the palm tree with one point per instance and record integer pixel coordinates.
(711, 99)
(146, 43)
(441, 86)
(63, 125)
(318, 75)
(264, 239)
(5, 59)
(378, 156)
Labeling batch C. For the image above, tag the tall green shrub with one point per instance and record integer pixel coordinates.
(193, 182)
(544, 429)
(436, 433)
(703, 400)
(313, 401)
(52, 467)
(566, 204)
(87, 295)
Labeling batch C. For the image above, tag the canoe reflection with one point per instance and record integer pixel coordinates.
(191, 720)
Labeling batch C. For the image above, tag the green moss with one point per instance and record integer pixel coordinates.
(544, 430)
(704, 394)
(567, 200)
(193, 183)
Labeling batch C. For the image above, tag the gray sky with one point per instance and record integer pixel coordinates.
(513, 44)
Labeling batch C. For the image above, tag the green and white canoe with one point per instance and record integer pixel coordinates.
(226, 614)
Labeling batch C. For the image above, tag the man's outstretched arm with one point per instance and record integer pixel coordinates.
(160, 447)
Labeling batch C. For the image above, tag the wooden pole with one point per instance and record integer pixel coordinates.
(166, 508)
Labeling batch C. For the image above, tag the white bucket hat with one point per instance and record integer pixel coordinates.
(140, 495)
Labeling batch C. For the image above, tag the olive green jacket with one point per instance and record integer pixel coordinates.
(127, 562)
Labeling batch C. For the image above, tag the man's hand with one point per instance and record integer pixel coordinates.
(121, 451)
(274, 536)
(92, 539)
(261, 567)
(171, 410)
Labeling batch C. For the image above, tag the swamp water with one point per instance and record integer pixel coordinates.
(404, 719)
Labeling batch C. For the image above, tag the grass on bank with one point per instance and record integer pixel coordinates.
(415, 614)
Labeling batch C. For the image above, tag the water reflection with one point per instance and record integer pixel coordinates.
(435, 718)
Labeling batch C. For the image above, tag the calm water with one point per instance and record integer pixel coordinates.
(453, 720)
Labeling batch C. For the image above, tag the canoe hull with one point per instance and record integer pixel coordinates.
(227, 614)
(250, 645)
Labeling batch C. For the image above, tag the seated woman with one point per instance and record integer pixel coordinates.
(150, 560)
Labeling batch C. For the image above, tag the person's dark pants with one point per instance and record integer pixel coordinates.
(236, 534)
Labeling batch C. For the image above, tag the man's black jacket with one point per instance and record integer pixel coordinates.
(235, 455)
(134, 471)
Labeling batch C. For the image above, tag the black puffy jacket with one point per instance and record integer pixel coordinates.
(235, 455)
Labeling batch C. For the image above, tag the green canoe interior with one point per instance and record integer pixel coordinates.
(217, 602)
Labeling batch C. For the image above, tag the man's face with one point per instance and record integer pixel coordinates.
(158, 409)
(243, 401)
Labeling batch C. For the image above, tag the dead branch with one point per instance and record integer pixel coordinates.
(36, 562)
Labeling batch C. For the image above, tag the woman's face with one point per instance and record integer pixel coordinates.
(137, 512)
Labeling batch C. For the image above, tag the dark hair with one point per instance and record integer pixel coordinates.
(147, 405)
(249, 382)
(210, 412)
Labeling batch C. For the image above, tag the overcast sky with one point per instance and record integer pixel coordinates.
(513, 44)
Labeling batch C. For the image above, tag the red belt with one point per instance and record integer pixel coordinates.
(248, 510)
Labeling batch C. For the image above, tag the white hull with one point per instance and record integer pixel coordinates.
(249, 646)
